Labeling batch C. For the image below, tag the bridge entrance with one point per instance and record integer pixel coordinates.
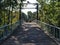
(29, 11)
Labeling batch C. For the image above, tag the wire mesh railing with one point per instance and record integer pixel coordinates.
(6, 30)
(51, 30)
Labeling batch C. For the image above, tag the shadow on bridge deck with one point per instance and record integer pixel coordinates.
(29, 35)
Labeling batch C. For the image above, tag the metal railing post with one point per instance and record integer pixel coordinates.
(20, 15)
(5, 31)
(59, 33)
(37, 11)
(55, 32)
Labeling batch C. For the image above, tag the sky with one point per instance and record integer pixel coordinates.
(29, 6)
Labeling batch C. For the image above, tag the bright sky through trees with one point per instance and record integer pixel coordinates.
(29, 6)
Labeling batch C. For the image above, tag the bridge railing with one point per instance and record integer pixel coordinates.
(9, 20)
(6, 30)
(51, 30)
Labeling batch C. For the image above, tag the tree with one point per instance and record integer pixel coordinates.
(49, 13)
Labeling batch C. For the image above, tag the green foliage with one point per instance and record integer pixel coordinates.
(49, 13)
(7, 15)
(32, 16)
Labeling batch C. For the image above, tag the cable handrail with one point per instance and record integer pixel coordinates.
(48, 24)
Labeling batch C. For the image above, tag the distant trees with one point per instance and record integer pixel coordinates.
(32, 16)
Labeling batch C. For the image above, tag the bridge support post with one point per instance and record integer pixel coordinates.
(37, 11)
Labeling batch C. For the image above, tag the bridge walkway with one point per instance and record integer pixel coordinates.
(29, 34)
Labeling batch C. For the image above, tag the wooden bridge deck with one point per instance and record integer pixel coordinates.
(29, 34)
